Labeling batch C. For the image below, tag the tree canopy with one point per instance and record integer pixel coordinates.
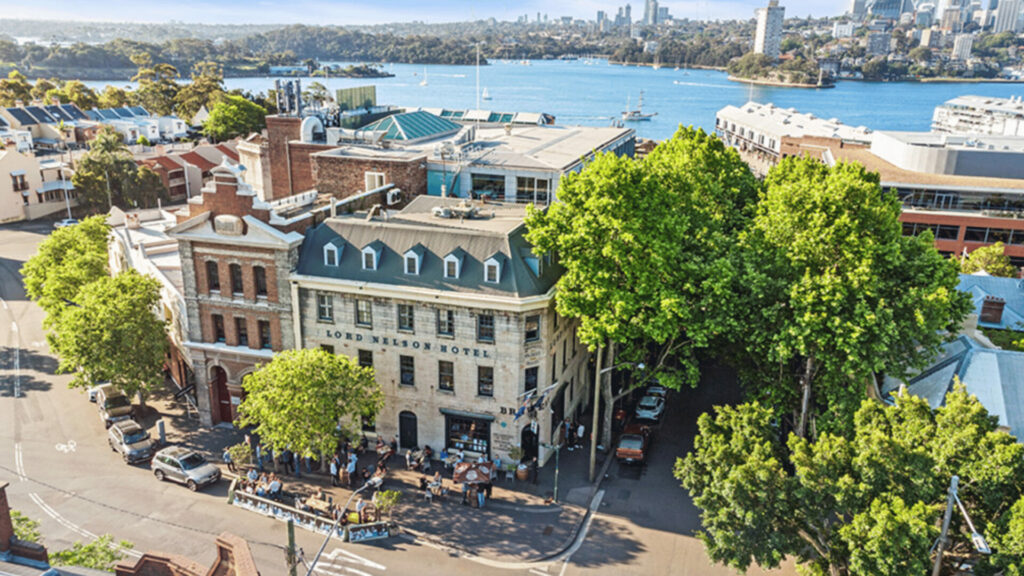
(832, 293)
(108, 174)
(205, 89)
(298, 400)
(866, 505)
(112, 333)
(158, 85)
(990, 259)
(232, 116)
(67, 260)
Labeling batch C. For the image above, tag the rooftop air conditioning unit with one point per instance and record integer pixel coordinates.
(394, 196)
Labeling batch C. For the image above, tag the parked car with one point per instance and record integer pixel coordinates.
(65, 223)
(650, 408)
(114, 405)
(633, 444)
(94, 391)
(659, 391)
(128, 438)
(184, 466)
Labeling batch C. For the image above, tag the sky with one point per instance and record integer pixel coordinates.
(342, 12)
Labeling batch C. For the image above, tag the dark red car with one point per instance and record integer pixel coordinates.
(633, 444)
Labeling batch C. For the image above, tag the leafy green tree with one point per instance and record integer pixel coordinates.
(100, 554)
(991, 259)
(108, 175)
(299, 398)
(74, 92)
(234, 116)
(866, 505)
(67, 260)
(113, 97)
(206, 87)
(921, 55)
(13, 88)
(43, 86)
(113, 334)
(316, 94)
(158, 85)
(646, 250)
(833, 293)
(25, 528)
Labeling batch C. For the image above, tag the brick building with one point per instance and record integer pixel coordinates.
(236, 255)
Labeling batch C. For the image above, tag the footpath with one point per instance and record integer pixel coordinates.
(520, 523)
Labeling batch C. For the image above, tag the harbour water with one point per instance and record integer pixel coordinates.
(594, 93)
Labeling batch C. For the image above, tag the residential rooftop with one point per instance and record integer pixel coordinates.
(771, 119)
(1013, 106)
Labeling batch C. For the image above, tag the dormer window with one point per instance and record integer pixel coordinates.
(412, 260)
(331, 255)
(492, 270)
(371, 257)
(452, 265)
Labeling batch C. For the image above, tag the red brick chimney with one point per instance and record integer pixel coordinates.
(6, 524)
(992, 310)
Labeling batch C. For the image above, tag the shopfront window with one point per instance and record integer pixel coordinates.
(469, 434)
(492, 185)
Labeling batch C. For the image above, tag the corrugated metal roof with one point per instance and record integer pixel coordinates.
(1009, 289)
(23, 118)
(58, 113)
(411, 126)
(74, 111)
(40, 114)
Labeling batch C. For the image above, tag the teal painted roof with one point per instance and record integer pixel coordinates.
(411, 126)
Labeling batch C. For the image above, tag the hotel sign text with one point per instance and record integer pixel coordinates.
(406, 343)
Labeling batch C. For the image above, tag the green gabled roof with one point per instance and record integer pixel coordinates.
(412, 126)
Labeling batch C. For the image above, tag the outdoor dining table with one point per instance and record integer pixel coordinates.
(321, 506)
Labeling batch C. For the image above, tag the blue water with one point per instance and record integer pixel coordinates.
(595, 94)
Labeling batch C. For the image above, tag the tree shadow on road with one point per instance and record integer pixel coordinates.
(29, 362)
(608, 544)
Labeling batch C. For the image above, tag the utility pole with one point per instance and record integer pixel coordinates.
(292, 557)
(595, 401)
(944, 536)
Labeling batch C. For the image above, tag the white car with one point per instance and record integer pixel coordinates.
(650, 408)
(65, 223)
(93, 391)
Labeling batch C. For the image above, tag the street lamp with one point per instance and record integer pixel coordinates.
(371, 483)
(597, 392)
(976, 538)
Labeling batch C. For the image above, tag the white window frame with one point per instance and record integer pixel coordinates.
(374, 180)
(415, 258)
(452, 259)
(331, 250)
(324, 302)
(492, 264)
(369, 251)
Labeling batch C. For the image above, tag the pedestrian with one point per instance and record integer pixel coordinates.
(307, 460)
(580, 431)
(394, 446)
(533, 470)
(480, 497)
(351, 469)
(259, 458)
(228, 460)
(334, 471)
(465, 493)
(408, 459)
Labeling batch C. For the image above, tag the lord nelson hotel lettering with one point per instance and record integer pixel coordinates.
(406, 343)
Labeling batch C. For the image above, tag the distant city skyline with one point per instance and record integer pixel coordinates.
(361, 13)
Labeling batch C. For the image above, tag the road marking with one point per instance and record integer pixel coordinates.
(350, 557)
(4, 302)
(543, 572)
(49, 511)
(14, 326)
(65, 448)
(17, 372)
(19, 462)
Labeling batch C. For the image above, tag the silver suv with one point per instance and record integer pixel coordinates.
(185, 467)
(131, 441)
(114, 405)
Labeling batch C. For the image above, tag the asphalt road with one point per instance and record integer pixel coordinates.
(54, 453)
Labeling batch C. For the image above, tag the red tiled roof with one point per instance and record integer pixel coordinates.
(228, 152)
(198, 161)
(167, 163)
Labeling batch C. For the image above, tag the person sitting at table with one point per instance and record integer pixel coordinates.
(274, 489)
(261, 490)
(424, 483)
(461, 456)
(437, 477)
(321, 495)
(408, 459)
(367, 474)
(394, 446)
(253, 475)
(302, 506)
(382, 468)
(361, 508)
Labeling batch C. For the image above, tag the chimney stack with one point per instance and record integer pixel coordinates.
(992, 310)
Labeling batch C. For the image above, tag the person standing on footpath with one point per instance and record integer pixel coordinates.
(533, 470)
(228, 460)
(334, 470)
(580, 431)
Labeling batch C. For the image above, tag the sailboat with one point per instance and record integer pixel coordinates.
(485, 95)
(637, 115)
(424, 81)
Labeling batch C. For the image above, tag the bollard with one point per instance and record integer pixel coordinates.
(162, 432)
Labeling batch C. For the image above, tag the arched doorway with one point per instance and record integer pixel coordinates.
(219, 380)
(528, 442)
(407, 435)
